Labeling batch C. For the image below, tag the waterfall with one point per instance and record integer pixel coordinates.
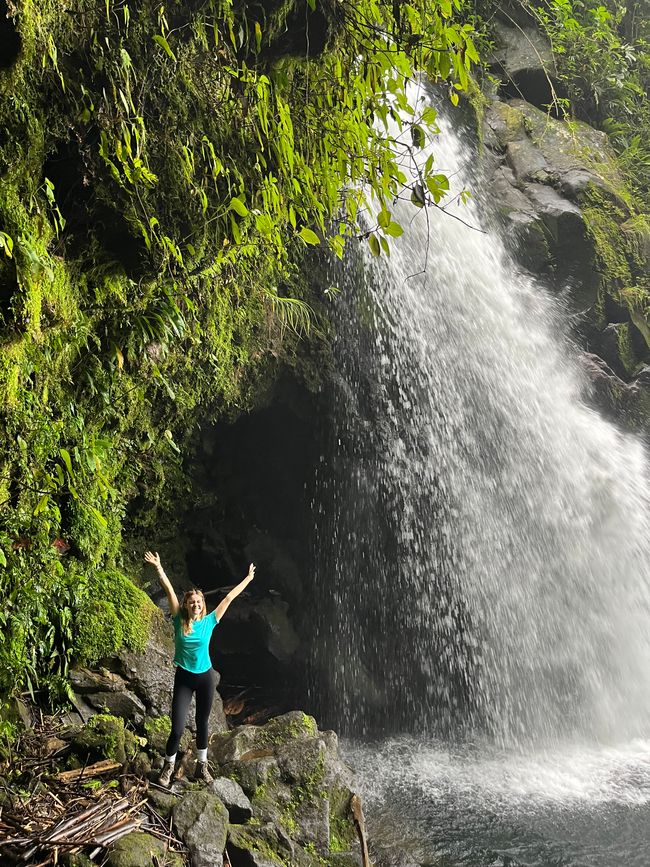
(482, 536)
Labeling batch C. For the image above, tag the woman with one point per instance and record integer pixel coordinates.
(194, 673)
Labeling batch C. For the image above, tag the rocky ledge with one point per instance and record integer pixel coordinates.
(281, 793)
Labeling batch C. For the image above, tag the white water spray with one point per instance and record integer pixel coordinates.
(486, 533)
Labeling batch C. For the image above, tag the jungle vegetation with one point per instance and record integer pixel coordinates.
(164, 167)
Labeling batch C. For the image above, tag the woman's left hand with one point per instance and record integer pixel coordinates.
(251, 572)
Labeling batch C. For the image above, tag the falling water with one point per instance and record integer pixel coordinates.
(482, 542)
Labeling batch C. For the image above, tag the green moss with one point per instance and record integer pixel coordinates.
(619, 243)
(157, 731)
(343, 833)
(282, 729)
(254, 841)
(104, 737)
(118, 614)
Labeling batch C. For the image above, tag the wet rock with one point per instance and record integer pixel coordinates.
(543, 173)
(125, 704)
(201, 821)
(139, 849)
(151, 673)
(104, 737)
(608, 344)
(264, 846)
(279, 635)
(85, 681)
(164, 802)
(233, 798)
(524, 59)
(296, 782)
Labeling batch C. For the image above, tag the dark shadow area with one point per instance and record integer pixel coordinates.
(8, 285)
(10, 41)
(255, 477)
(534, 86)
(85, 215)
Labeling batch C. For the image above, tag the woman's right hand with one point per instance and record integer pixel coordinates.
(153, 558)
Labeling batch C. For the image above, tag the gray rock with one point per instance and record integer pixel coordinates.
(85, 681)
(151, 673)
(124, 704)
(608, 345)
(524, 49)
(526, 161)
(261, 846)
(139, 850)
(279, 635)
(164, 802)
(643, 376)
(201, 820)
(233, 798)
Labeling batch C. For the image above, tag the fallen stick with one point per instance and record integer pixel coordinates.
(357, 812)
(103, 767)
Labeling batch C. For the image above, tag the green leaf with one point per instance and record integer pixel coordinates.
(42, 504)
(383, 218)
(308, 236)
(394, 230)
(429, 116)
(101, 520)
(417, 136)
(238, 207)
(164, 44)
(385, 246)
(264, 224)
(65, 456)
(3, 559)
(375, 249)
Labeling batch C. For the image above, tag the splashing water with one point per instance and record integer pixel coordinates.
(482, 542)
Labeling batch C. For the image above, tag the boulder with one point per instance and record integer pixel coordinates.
(164, 802)
(141, 850)
(124, 704)
(233, 798)
(84, 681)
(295, 780)
(524, 59)
(279, 635)
(265, 846)
(201, 821)
(150, 674)
(104, 737)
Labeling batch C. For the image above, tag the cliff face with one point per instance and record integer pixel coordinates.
(163, 171)
(572, 213)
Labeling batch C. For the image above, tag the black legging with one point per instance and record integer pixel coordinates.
(185, 683)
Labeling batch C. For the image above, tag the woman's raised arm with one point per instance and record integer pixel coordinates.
(222, 607)
(154, 559)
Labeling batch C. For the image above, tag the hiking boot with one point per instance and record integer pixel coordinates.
(165, 777)
(202, 773)
(182, 766)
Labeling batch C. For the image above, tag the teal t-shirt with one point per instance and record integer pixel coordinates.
(193, 650)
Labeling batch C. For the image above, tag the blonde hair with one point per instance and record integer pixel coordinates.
(185, 616)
